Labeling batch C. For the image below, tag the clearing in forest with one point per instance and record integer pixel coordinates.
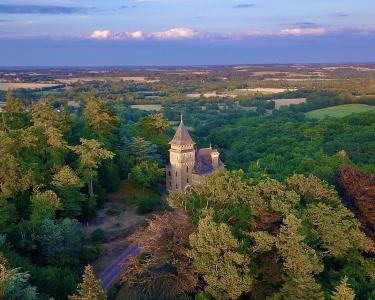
(339, 111)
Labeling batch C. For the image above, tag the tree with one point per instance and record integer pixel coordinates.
(311, 188)
(303, 288)
(68, 189)
(300, 263)
(147, 173)
(142, 150)
(62, 237)
(299, 258)
(99, 120)
(91, 154)
(154, 128)
(338, 230)
(13, 177)
(90, 288)
(154, 124)
(44, 206)
(163, 270)
(215, 255)
(13, 114)
(343, 291)
(44, 116)
(14, 283)
(65, 177)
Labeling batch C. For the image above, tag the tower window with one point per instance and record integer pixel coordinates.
(169, 173)
(170, 183)
(187, 180)
(176, 186)
(176, 173)
(187, 169)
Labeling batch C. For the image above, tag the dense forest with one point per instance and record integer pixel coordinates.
(273, 226)
(56, 169)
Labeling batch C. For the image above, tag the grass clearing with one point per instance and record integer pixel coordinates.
(339, 111)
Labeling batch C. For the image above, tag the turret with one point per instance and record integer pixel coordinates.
(182, 160)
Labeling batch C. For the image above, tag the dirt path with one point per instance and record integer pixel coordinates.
(113, 271)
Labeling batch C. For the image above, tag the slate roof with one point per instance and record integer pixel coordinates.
(182, 136)
(203, 162)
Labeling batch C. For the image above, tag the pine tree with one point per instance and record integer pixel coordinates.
(90, 288)
(91, 154)
(343, 291)
(99, 120)
(13, 116)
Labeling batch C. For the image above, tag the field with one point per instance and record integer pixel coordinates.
(147, 107)
(138, 79)
(6, 86)
(287, 102)
(266, 91)
(339, 111)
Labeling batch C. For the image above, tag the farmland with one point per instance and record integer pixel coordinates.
(6, 86)
(339, 111)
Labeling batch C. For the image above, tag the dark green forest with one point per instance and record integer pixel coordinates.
(273, 226)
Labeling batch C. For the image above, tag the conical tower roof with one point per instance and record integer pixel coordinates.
(182, 136)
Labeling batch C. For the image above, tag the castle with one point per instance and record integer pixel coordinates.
(188, 166)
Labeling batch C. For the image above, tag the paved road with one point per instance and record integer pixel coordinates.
(117, 266)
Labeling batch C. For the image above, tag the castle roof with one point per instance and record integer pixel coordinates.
(182, 136)
(203, 161)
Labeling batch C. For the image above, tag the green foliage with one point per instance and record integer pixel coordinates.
(89, 288)
(146, 204)
(97, 236)
(338, 229)
(13, 113)
(215, 255)
(147, 174)
(65, 177)
(58, 238)
(343, 291)
(284, 144)
(141, 150)
(99, 120)
(109, 176)
(43, 206)
(14, 283)
(71, 200)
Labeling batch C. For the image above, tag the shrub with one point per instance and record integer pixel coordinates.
(97, 236)
(114, 210)
(146, 204)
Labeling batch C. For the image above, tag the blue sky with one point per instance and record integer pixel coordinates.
(180, 32)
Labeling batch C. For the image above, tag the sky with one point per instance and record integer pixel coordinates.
(185, 32)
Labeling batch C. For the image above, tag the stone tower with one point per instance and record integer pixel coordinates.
(182, 160)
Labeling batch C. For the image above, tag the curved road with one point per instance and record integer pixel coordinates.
(117, 266)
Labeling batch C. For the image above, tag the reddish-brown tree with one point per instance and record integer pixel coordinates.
(163, 270)
(359, 192)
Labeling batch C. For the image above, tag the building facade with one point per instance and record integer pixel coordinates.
(188, 166)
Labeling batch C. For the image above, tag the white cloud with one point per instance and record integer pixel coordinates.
(303, 31)
(176, 34)
(100, 34)
(188, 33)
(171, 34)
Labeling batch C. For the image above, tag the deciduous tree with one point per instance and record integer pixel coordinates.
(215, 255)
